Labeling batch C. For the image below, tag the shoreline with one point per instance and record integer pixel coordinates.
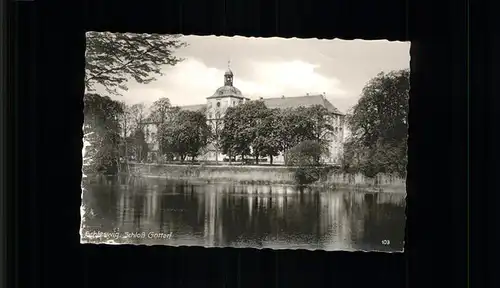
(264, 175)
(320, 185)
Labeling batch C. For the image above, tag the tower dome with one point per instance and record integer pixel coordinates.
(228, 90)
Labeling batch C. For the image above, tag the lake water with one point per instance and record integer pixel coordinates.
(160, 212)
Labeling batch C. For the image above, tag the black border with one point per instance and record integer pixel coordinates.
(46, 117)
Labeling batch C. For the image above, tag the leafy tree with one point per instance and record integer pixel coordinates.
(226, 135)
(127, 127)
(139, 145)
(253, 127)
(215, 137)
(267, 140)
(101, 118)
(354, 156)
(137, 114)
(199, 131)
(240, 128)
(161, 110)
(134, 138)
(114, 58)
(256, 128)
(379, 126)
(297, 126)
(305, 154)
(305, 160)
(292, 128)
(322, 131)
(185, 134)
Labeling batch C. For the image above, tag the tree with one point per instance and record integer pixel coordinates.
(112, 59)
(267, 139)
(161, 110)
(199, 132)
(101, 117)
(226, 136)
(255, 127)
(138, 144)
(379, 126)
(185, 134)
(305, 160)
(134, 117)
(354, 156)
(297, 126)
(137, 114)
(215, 137)
(240, 128)
(322, 130)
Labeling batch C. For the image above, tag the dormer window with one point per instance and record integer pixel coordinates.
(218, 104)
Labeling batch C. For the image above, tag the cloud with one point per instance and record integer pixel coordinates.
(191, 81)
(271, 67)
(291, 78)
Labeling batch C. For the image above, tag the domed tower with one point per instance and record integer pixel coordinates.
(224, 97)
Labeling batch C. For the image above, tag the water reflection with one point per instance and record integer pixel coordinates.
(243, 216)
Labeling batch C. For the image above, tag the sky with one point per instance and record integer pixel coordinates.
(272, 67)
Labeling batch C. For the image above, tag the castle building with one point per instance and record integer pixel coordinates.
(229, 96)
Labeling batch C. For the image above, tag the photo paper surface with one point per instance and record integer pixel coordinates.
(245, 142)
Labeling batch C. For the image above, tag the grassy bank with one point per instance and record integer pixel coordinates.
(267, 175)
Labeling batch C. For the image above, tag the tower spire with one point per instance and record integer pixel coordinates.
(228, 76)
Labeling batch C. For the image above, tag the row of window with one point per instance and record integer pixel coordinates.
(231, 103)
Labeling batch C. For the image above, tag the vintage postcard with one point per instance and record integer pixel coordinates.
(245, 142)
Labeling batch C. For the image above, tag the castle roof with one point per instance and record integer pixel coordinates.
(196, 107)
(283, 103)
(301, 101)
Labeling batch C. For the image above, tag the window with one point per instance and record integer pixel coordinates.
(218, 104)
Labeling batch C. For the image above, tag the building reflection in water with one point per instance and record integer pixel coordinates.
(249, 215)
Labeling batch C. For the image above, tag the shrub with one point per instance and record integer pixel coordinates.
(305, 160)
